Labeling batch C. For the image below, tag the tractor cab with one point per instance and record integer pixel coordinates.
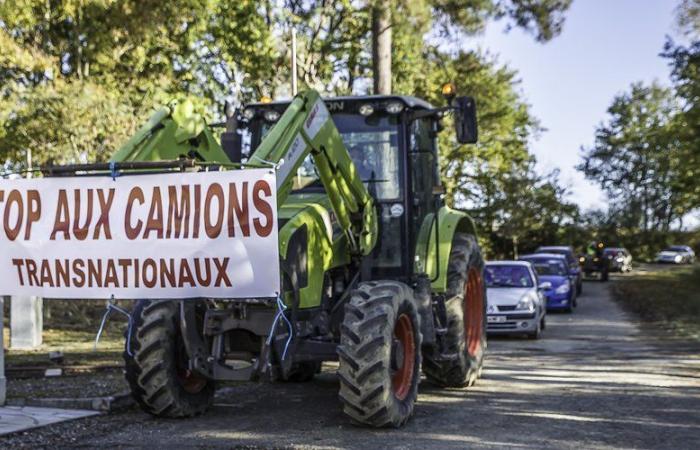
(393, 143)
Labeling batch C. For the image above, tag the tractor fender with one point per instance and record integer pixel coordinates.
(305, 254)
(434, 244)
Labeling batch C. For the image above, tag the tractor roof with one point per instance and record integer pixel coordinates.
(408, 100)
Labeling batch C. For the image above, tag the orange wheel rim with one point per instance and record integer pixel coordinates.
(402, 378)
(473, 308)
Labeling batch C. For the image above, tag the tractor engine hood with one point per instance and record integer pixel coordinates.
(298, 202)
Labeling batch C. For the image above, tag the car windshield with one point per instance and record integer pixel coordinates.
(549, 267)
(612, 251)
(507, 276)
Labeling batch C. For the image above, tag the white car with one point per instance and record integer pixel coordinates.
(676, 254)
(516, 303)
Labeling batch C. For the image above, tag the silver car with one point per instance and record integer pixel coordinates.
(516, 303)
(676, 254)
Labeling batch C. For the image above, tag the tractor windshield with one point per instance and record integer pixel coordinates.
(373, 145)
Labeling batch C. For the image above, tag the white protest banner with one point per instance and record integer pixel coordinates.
(184, 235)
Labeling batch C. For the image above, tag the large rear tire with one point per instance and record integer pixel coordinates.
(157, 372)
(465, 340)
(380, 354)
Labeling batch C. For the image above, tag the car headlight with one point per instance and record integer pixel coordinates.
(526, 304)
(620, 259)
(678, 258)
(563, 289)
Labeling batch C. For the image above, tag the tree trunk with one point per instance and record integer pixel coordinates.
(381, 47)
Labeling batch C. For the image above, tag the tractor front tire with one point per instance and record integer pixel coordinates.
(380, 354)
(157, 372)
(465, 304)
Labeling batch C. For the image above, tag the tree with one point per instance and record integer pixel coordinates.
(685, 72)
(59, 59)
(381, 46)
(636, 158)
(543, 18)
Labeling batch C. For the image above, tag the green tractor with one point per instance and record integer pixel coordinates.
(377, 272)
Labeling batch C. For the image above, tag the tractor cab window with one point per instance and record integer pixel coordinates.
(374, 148)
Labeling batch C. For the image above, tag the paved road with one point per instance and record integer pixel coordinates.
(595, 380)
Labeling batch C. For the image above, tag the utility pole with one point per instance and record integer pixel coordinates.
(294, 62)
(381, 47)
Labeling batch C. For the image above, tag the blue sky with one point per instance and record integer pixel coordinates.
(570, 81)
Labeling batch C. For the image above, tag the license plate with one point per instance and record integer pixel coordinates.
(496, 319)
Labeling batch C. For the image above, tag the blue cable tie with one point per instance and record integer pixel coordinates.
(113, 170)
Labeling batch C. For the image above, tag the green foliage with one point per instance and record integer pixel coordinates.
(64, 122)
(77, 77)
(637, 158)
(685, 65)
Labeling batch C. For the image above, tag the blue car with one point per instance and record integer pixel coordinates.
(572, 261)
(552, 271)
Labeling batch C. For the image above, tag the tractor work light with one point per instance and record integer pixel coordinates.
(248, 113)
(449, 90)
(394, 107)
(272, 115)
(366, 110)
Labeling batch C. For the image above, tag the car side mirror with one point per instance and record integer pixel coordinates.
(465, 120)
(544, 286)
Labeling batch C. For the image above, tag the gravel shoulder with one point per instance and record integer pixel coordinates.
(595, 380)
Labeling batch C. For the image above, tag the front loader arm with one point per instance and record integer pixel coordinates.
(306, 128)
(179, 131)
(174, 132)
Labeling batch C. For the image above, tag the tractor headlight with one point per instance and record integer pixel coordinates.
(563, 289)
(271, 115)
(248, 113)
(394, 107)
(366, 110)
(526, 304)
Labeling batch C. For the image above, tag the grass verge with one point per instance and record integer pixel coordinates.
(668, 296)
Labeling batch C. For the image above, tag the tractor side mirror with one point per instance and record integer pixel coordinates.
(465, 120)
